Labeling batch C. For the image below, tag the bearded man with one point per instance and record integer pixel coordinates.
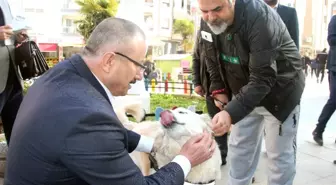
(260, 66)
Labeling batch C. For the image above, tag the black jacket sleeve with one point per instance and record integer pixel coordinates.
(264, 37)
(196, 62)
(99, 156)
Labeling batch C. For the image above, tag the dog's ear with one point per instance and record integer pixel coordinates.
(121, 115)
(136, 111)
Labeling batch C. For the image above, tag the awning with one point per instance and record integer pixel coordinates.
(47, 47)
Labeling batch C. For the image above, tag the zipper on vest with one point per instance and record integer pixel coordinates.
(280, 129)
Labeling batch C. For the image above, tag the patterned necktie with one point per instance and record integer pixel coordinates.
(2, 18)
(2, 23)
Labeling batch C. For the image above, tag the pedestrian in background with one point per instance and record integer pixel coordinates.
(330, 107)
(11, 89)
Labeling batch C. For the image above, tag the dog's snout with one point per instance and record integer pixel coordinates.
(167, 118)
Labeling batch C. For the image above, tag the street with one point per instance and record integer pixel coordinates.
(314, 163)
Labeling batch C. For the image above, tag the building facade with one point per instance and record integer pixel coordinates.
(54, 29)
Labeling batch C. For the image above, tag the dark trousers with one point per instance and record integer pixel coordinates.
(320, 70)
(222, 140)
(10, 101)
(330, 106)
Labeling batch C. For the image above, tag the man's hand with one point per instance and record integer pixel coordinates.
(199, 90)
(5, 32)
(21, 36)
(221, 123)
(199, 148)
(223, 98)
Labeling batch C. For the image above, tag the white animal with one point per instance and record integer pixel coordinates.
(173, 130)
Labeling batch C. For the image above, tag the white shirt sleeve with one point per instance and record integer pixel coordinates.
(184, 163)
(145, 144)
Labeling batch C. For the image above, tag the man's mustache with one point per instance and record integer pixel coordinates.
(216, 22)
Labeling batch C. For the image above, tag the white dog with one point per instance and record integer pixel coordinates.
(173, 130)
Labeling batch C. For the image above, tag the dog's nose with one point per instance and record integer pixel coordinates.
(167, 118)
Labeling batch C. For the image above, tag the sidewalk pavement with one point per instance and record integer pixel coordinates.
(314, 163)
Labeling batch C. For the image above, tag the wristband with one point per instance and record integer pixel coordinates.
(217, 92)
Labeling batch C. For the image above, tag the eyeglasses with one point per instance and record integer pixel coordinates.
(138, 64)
(142, 67)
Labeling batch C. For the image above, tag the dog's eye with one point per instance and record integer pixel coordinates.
(181, 112)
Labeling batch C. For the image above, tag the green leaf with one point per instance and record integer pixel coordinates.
(186, 29)
(93, 12)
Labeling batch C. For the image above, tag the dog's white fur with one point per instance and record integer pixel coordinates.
(168, 141)
(133, 109)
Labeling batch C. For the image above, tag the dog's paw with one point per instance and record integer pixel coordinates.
(135, 110)
(139, 115)
(143, 116)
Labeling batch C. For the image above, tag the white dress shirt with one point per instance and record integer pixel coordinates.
(146, 143)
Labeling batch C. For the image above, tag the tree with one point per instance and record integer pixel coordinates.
(93, 12)
(186, 29)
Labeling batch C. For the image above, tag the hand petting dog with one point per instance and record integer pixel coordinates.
(221, 123)
(199, 148)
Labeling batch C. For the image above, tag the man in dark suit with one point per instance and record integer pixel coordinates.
(330, 107)
(66, 131)
(289, 17)
(10, 80)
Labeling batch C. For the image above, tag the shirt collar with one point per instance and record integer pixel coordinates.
(276, 6)
(109, 94)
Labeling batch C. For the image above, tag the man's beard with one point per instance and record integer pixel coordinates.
(271, 2)
(219, 28)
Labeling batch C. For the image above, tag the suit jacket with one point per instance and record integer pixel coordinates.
(66, 133)
(289, 17)
(6, 48)
(331, 64)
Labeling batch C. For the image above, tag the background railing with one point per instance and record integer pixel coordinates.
(169, 87)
